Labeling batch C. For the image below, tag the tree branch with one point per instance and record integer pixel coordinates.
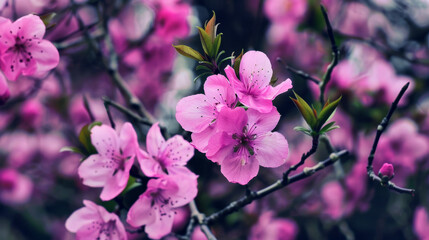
(298, 72)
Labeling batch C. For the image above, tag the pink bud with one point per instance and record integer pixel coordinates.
(386, 171)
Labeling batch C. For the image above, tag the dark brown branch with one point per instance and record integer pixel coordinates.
(298, 72)
(200, 219)
(335, 53)
(126, 111)
(380, 129)
(304, 156)
(279, 184)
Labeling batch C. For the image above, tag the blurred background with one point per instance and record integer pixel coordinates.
(383, 45)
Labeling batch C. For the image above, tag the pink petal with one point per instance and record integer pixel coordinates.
(221, 147)
(272, 92)
(178, 151)
(128, 140)
(195, 113)
(81, 217)
(260, 123)
(255, 70)
(201, 140)
(187, 190)
(117, 182)
(219, 91)
(29, 26)
(94, 172)
(160, 227)
(15, 64)
(7, 40)
(240, 169)
(149, 166)
(105, 140)
(271, 150)
(231, 120)
(141, 212)
(86, 233)
(236, 83)
(260, 104)
(154, 141)
(45, 54)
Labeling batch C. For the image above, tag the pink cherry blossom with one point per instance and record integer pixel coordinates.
(14, 187)
(253, 88)
(333, 197)
(23, 51)
(94, 222)
(110, 168)
(156, 207)
(245, 141)
(421, 223)
(164, 157)
(198, 113)
(272, 228)
(171, 22)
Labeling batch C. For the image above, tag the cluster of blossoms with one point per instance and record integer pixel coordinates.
(237, 139)
(170, 185)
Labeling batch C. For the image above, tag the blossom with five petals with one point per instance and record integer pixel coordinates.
(110, 168)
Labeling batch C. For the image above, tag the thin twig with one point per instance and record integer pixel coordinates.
(279, 184)
(88, 108)
(126, 111)
(304, 156)
(380, 129)
(298, 72)
(335, 53)
(200, 219)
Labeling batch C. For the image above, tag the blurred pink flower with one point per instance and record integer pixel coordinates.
(14, 187)
(253, 88)
(110, 168)
(333, 198)
(273, 228)
(171, 22)
(23, 49)
(285, 10)
(4, 90)
(164, 157)
(421, 223)
(31, 113)
(94, 222)
(244, 141)
(156, 207)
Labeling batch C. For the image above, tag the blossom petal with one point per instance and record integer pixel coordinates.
(17, 63)
(231, 120)
(272, 92)
(236, 83)
(154, 141)
(81, 217)
(219, 91)
(178, 151)
(29, 26)
(195, 113)
(141, 212)
(271, 150)
(6, 39)
(149, 166)
(260, 104)
(94, 171)
(255, 70)
(187, 188)
(161, 227)
(117, 182)
(262, 122)
(105, 140)
(201, 140)
(128, 140)
(45, 54)
(221, 147)
(240, 169)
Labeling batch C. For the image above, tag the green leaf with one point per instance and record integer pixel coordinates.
(237, 62)
(328, 127)
(188, 52)
(218, 56)
(303, 129)
(225, 59)
(71, 149)
(306, 111)
(210, 27)
(201, 75)
(327, 112)
(216, 45)
(47, 19)
(85, 137)
(206, 42)
(203, 67)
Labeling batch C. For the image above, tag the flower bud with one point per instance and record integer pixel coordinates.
(386, 172)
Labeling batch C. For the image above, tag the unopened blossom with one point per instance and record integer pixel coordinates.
(245, 142)
(386, 171)
(253, 88)
(15, 188)
(94, 222)
(110, 168)
(156, 207)
(23, 50)
(198, 113)
(164, 157)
